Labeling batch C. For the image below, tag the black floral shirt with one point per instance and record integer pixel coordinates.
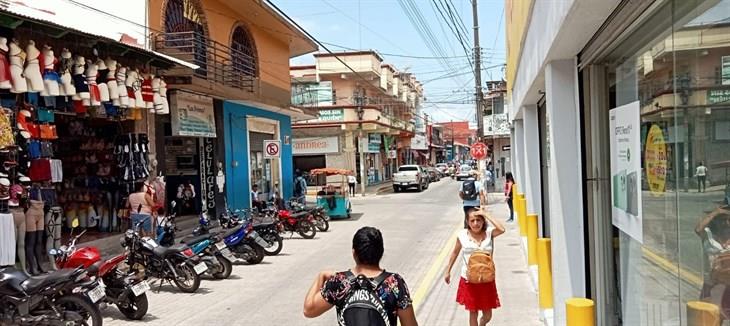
(393, 292)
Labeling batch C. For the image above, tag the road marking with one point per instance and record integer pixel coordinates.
(433, 271)
(686, 275)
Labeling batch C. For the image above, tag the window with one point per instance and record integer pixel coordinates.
(185, 31)
(243, 53)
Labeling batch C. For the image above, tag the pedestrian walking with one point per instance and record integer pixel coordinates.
(701, 173)
(477, 287)
(472, 194)
(352, 182)
(508, 195)
(365, 294)
(300, 188)
(714, 231)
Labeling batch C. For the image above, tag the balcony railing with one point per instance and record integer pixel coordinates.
(218, 63)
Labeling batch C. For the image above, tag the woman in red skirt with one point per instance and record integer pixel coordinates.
(481, 231)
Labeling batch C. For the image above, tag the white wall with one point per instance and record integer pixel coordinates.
(566, 190)
(533, 187)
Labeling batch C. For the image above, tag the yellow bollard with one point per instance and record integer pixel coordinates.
(545, 273)
(700, 313)
(532, 239)
(522, 221)
(580, 312)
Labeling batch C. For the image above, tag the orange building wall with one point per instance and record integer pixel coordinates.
(273, 55)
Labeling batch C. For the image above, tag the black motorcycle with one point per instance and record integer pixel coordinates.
(176, 263)
(263, 223)
(63, 297)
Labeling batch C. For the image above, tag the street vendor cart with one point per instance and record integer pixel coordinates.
(334, 197)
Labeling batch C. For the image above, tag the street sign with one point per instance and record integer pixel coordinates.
(479, 151)
(506, 147)
(272, 149)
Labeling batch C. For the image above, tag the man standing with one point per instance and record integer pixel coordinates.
(352, 182)
(472, 193)
(701, 174)
(300, 188)
(255, 202)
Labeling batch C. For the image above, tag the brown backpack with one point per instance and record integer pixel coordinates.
(480, 268)
(721, 268)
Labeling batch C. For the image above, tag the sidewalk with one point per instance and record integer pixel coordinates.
(516, 292)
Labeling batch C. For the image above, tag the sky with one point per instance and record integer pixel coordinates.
(383, 25)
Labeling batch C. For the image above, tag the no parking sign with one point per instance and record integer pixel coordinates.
(272, 149)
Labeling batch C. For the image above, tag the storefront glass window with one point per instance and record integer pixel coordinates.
(674, 70)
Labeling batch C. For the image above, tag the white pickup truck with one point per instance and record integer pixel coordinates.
(410, 176)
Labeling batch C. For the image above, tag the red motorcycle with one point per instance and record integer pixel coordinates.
(300, 222)
(123, 288)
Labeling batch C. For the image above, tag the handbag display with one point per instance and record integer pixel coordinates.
(45, 115)
(48, 132)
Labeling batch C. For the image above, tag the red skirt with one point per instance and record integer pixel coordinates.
(474, 297)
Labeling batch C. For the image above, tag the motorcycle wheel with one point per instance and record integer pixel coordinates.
(306, 230)
(276, 240)
(80, 307)
(188, 280)
(258, 255)
(136, 306)
(321, 223)
(226, 268)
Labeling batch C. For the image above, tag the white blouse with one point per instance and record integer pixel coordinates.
(469, 245)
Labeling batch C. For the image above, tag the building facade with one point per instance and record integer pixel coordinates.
(233, 112)
(619, 117)
(365, 119)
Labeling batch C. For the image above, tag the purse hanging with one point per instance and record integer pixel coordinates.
(45, 115)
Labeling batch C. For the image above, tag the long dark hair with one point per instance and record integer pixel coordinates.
(509, 177)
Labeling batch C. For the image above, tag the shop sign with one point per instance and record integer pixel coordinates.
(655, 160)
(192, 115)
(208, 173)
(392, 154)
(316, 145)
(374, 142)
(625, 130)
(716, 96)
(418, 142)
(331, 115)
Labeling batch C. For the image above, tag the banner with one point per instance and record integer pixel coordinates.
(192, 115)
(316, 145)
(625, 129)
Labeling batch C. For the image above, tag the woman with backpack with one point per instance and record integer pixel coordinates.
(477, 288)
(366, 294)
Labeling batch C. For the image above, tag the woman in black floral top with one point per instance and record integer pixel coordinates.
(331, 289)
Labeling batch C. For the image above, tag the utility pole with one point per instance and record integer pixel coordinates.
(477, 72)
(360, 113)
(453, 150)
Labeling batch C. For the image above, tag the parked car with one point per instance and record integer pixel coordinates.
(443, 168)
(464, 172)
(410, 176)
(433, 174)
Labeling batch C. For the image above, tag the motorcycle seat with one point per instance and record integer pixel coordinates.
(165, 251)
(263, 226)
(300, 214)
(94, 268)
(194, 239)
(230, 232)
(34, 283)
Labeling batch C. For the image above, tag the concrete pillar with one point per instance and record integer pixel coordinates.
(518, 165)
(532, 186)
(566, 194)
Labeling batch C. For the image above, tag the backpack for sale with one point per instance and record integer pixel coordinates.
(720, 271)
(470, 190)
(363, 305)
(480, 268)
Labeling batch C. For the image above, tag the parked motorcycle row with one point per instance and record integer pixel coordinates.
(84, 281)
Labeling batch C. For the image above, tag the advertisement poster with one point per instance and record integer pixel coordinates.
(192, 115)
(625, 129)
(655, 160)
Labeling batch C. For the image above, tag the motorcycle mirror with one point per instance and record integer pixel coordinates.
(52, 252)
(75, 223)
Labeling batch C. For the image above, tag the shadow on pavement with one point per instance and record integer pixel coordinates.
(353, 217)
(113, 313)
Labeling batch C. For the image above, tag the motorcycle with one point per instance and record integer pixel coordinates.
(267, 231)
(64, 297)
(300, 222)
(124, 289)
(218, 261)
(176, 263)
(321, 219)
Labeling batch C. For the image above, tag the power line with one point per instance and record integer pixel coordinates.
(398, 55)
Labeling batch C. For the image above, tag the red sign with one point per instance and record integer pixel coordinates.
(271, 149)
(479, 151)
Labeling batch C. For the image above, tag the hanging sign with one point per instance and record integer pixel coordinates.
(192, 115)
(272, 149)
(625, 129)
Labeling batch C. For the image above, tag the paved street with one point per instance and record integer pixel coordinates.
(416, 227)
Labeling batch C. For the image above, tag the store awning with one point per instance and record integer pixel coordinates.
(43, 22)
